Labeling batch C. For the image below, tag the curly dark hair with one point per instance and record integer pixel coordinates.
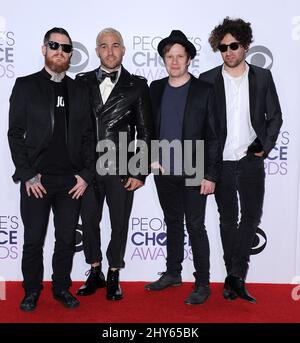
(238, 28)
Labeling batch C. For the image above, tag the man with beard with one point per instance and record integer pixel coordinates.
(121, 106)
(250, 118)
(51, 140)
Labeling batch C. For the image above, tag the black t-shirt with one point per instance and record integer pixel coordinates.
(55, 160)
(172, 113)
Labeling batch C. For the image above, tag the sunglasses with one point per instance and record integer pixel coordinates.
(64, 47)
(232, 46)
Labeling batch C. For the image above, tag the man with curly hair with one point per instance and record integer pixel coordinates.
(250, 119)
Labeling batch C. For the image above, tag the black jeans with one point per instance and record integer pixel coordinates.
(119, 202)
(35, 215)
(245, 178)
(178, 200)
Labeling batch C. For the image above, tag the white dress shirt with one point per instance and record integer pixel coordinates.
(106, 86)
(240, 133)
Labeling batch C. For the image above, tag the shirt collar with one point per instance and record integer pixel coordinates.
(226, 74)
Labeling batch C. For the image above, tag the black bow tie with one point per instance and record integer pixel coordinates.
(113, 76)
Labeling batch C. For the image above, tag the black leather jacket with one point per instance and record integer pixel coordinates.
(127, 110)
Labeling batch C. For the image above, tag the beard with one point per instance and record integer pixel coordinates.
(235, 62)
(232, 64)
(57, 66)
(111, 64)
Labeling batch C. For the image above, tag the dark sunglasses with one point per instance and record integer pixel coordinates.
(232, 46)
(64, 47)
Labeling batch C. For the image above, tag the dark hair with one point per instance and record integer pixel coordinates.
(168, 47)
(238, 28)
(56, 30)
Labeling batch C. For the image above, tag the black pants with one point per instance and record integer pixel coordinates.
(35, 215)
(178, 200)
(245, 178)
(119, 202)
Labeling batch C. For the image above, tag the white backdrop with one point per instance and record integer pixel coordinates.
(276, 29)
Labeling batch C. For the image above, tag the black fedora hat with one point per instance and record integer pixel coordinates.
(179, 37)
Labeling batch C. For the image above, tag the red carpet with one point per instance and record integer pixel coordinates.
(274, 305)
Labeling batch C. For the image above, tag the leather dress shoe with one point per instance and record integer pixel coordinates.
(94, 281)
(29, 302)
(66, 299)
(228, 293)
(236, 285)
(113, 288)
(199, 295)
(166, 280)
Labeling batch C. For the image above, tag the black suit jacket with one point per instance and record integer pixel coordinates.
(127, 110)
(199, 122)
(265, 111)
(31, 124)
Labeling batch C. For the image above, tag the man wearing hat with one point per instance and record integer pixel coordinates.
(184, 110)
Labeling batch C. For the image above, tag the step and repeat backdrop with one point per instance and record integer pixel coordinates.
(276, 28)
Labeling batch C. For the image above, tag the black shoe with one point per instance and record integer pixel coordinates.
(94, 281)
(228, 294)
(199, 295)
(166, 280)
(237, 286)
(29, 302)
(113, 288)
(66, 298)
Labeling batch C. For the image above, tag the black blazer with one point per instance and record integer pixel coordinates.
(31, 124)
(199, 122)
(265, 111)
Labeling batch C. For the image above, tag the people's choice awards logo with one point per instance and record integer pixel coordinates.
(80, 58)
(147, 60)
(277, 161)
(9, 226)
(7, 45)
(260, 56)
(149, 238)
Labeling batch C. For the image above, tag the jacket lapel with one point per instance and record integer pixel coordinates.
(221, 100)
(158, 99)
(68, 94)
(252, 91)
(123, 81)
(51, 98)
(190, 97)
(96, 99)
